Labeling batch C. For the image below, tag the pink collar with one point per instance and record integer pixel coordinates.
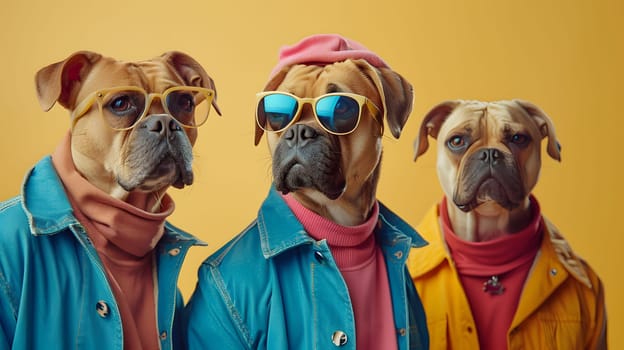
(351, 246)
(119, 229)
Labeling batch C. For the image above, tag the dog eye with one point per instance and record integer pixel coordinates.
(120, 104)
(183, 102)
(125, 104)
(456, 143)
(520, 139)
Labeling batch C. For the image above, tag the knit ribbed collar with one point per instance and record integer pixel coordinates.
(499, 255)
(120, 230)
(351, 246)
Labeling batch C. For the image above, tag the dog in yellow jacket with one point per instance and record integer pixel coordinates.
(497, 274)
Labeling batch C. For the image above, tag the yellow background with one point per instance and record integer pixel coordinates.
(565, 56)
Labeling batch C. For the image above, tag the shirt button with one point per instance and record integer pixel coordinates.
(319, 257)
(163, 335)
(174, 251)
(339, 338)
(102, 308)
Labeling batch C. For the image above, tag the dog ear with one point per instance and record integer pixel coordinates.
(191, 72)
(546, 127)
(60, 81)
(397, 95)
(273, 83)
(431, 124)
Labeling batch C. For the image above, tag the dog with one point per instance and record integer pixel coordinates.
(323, 111)
(90, 222)
(336, 175)
(488, 163)
(150, 157)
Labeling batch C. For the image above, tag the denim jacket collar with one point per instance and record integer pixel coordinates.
(280, 229)
(49, 211)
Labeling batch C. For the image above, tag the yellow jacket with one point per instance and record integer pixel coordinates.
(561, 307)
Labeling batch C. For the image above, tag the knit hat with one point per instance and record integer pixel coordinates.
(322, 49)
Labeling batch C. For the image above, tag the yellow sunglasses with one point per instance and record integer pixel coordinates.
(337, 113)
(124, 106)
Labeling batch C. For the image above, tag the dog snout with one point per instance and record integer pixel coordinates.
(299, 134)
(161, 124)
(491, 156)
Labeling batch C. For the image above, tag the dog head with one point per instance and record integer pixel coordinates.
(488, 152)
(325, 170)
(154, 153)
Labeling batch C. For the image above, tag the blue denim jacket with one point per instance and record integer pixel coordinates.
(53, 289)
(274, 287)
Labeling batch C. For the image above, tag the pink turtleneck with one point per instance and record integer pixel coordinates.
(510, 258)
(124, 237)
(362, 265)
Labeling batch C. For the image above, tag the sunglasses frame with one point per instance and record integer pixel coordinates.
(301, 101)
(99, 95)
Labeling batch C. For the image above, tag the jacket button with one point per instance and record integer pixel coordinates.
(319, 257)
(339, 338)
(163, 335)
(102, 309)
(174, 251)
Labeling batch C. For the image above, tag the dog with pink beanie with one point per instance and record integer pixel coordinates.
(324, 263)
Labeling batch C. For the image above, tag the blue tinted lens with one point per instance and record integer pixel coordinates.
(276, 111)
(338, 113)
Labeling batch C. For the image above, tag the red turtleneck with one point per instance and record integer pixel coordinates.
(362, 265)
(509, 258)
(124, 237)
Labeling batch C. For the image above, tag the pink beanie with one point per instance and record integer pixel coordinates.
(321, 49)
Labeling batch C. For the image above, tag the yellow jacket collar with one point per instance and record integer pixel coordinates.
(554, 246)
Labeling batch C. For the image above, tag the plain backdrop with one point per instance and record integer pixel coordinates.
(565, 56)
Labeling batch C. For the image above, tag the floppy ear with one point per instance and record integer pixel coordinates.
(397, 95)
(61, 81)
(273, 83)
(546, 126)
(191, 72)
(431, 124)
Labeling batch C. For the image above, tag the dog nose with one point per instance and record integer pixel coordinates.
(490, 156)
(299, 134)
(161, 124)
